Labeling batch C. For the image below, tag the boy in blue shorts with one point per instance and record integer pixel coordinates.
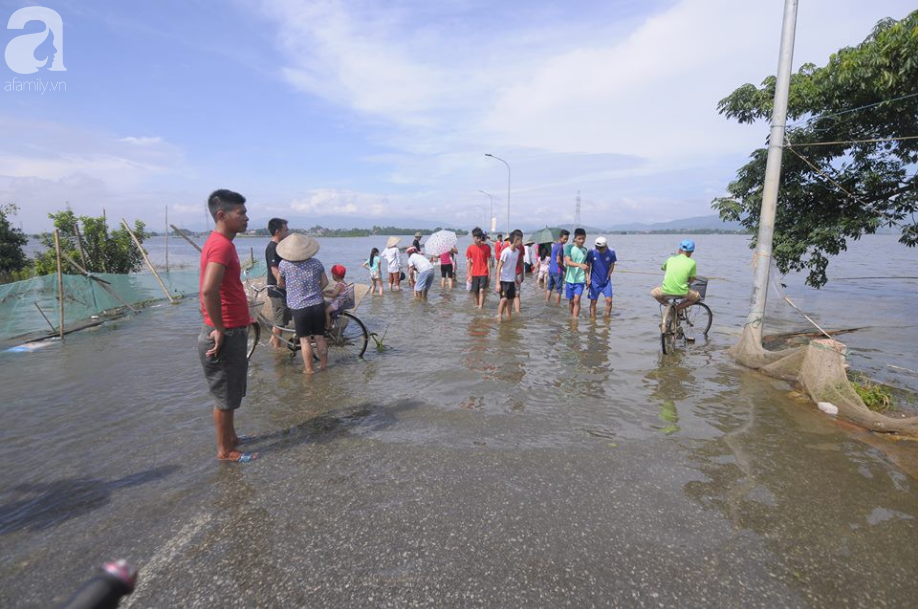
(601, 262)
(575, 270)
(556, 267)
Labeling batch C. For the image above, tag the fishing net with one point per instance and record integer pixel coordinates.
(817, 365)
(29, 309)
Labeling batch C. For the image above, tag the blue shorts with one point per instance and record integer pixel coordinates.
(422, 284)
(573, 289)
(555, 281)
(596, 290)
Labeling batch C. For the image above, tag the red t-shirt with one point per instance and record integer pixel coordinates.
(479, 255)
(498, 246)
(233, 303)
(519, 261)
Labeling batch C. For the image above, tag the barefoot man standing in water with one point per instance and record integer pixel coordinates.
(222, 341)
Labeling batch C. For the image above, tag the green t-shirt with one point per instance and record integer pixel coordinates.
(576, 254)
(679, 269)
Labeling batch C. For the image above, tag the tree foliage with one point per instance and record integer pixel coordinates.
(12, 240)
(106, 251)
(840, 189)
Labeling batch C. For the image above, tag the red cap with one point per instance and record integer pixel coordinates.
(339, 270)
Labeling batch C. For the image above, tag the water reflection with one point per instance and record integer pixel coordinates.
(670, 383)
(807, 504)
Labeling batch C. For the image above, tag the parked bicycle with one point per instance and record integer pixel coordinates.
(689, 323)
(347, 336)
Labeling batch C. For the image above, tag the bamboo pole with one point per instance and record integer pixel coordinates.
(105, 285)
(76, 231)
(147, 260)
(53, 329)
(182, 234)
(60, 280)
(167, 238)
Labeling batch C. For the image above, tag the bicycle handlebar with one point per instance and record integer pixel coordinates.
(104, 591)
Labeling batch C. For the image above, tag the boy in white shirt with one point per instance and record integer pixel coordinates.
(506, 273)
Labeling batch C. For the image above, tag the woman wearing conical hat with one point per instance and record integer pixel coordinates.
(304, 278)
(394, 262)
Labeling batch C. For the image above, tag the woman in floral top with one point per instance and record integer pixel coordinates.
(304, 277)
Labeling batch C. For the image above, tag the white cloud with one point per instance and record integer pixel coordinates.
(45, 164)
(141, 141)
(332, 202)
(651, 91)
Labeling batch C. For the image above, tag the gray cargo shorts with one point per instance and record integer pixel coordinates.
(226, 373)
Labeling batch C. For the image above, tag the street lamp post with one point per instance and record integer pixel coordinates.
(508, 186)
(483, 208)
(491, 216)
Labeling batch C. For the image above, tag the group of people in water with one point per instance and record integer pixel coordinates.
(299, 289)
(560, 268)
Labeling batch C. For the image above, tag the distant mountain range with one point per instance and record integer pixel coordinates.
(702, 223)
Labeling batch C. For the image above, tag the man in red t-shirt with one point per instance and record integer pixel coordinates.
(479, 271)
(222, 341)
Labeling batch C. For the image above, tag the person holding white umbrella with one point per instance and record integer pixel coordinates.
(442, 244)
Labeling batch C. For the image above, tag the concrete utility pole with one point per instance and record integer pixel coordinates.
(763, 249)
(577, 211)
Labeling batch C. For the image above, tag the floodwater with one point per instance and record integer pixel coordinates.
(536, 463)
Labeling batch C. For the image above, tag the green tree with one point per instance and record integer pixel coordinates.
(106, 251)
(837, 182)
(12, 240)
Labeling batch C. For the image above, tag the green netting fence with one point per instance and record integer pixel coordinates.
(84, 299)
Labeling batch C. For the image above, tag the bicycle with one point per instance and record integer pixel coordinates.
(687, 324)
(347, 335)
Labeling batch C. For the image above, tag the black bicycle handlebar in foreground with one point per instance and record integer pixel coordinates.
(105, 590)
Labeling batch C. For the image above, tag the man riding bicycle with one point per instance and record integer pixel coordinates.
(680, 272)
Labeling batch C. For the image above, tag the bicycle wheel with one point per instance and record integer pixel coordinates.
(668, 329)
(697, 322)
(254, 333)
(347, 337)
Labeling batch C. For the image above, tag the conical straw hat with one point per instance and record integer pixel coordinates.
(392, 242)
(296, 247)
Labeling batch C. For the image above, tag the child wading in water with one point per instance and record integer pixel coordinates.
(506, 273)
(372, 265)
(575, 275)
(338, 295)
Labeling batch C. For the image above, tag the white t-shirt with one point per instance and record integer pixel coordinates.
(508, 256)
(392, 257)
(419, 262)
(530, 257)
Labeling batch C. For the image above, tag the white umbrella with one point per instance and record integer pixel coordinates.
(440, 242)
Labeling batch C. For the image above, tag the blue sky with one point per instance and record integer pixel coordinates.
(384, 110)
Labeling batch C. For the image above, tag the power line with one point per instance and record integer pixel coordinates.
(856, 109)
(869, 141)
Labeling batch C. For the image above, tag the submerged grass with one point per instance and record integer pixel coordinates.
(877, 397)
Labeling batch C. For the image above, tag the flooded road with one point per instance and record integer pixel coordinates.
(470, 463)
